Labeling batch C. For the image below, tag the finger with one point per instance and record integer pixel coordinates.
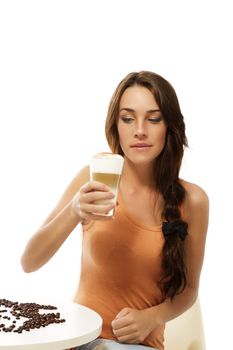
(121, 320)
(123, 312)
(121, 323)
(90, 197)
(101, 217)
(94, 186)
(129, 338)
(101, 209)
(97, 216)
(124, 331)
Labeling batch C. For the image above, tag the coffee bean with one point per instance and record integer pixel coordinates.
(31, 312)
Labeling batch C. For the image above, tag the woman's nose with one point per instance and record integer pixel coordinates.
(140, 130)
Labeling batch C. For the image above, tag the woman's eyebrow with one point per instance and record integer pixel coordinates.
(132, 110)
(153, 110)
(127, 109)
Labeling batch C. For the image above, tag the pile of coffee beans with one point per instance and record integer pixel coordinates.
(30, 311)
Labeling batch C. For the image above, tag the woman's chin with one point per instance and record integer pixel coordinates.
(141, 160)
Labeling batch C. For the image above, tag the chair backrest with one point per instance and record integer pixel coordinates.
(186, 331)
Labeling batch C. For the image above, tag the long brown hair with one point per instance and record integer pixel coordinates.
(166, 171)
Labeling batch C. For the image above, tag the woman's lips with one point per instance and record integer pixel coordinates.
(140, 146)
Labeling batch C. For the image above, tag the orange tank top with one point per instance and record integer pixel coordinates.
(121, 267)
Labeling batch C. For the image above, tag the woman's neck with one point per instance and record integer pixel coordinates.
(138, 176)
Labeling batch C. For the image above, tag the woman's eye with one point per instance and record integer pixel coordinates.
(155, 120)
(126, 119)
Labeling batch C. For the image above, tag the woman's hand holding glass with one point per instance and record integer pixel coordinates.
(93, 201)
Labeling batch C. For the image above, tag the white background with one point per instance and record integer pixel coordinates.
(59, 64)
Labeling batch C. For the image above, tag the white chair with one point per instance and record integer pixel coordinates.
(186, 331)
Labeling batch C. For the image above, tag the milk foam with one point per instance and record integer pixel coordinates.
(107, 163)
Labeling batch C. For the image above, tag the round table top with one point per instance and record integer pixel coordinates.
(82, 325)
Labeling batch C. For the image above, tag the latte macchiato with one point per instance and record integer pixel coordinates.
(107, 168)
(111, 180)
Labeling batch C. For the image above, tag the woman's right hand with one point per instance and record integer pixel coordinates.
(86, 203)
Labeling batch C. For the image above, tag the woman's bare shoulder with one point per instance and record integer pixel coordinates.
(196, 197)
(80, 178)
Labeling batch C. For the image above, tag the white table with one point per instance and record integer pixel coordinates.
(82, 325)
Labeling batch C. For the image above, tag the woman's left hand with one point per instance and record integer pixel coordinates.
(132, 326)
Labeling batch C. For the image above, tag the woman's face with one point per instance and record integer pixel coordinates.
(141, 128)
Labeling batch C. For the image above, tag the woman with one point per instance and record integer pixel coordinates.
(141, 267)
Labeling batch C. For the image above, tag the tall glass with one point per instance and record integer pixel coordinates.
(107, 168)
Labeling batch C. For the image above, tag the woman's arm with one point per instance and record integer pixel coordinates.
(133, 326)
(55, 229)
(81, 199)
